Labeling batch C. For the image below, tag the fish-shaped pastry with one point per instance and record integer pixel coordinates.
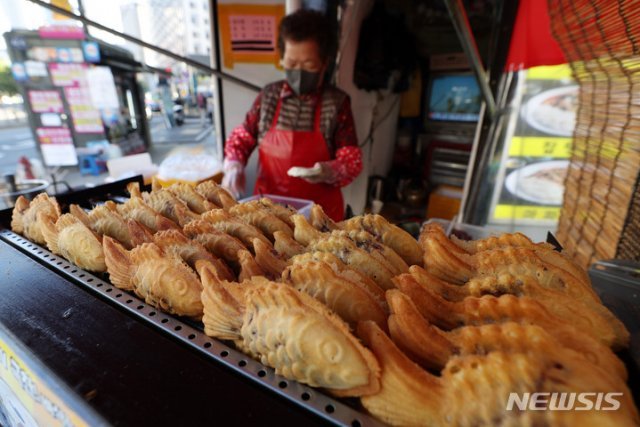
(303, 232)
(362, 257)
(217, 242)
(248, 267)
(174, 242)
(24, 218)
(411, 332)
(520, 283)
(259, 216)
(378, 250)
(321, 221)
(105, 221)
(188, 194)
(341, 289)
(446, 260)
(216, 194)
(487, 309)
(271, 262)
(136, 209)
(167, 204)
(289, 331)
(283, 212)
(71, 239)
(223, 221)
(386, 233)
(163, 281)
(475, 389)
(389, 234)
(286, 245)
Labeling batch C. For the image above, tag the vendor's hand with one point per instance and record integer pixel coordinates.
(320, 173)
(233, 179)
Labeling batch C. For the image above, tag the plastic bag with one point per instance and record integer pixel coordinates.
(191, 165)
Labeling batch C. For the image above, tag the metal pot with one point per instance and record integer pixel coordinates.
(10, 191)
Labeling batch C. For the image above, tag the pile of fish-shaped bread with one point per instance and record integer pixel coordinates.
(435, 331)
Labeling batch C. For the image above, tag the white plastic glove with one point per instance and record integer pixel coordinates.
(233, 179)
(321, 172)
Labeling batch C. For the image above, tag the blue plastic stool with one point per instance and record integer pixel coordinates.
(91, 164)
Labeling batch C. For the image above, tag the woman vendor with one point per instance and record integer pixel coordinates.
(302, 126)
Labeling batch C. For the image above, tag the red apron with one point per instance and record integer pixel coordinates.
(282, 149)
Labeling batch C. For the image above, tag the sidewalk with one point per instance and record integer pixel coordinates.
(189, 135)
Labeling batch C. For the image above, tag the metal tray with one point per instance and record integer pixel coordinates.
(191, 334)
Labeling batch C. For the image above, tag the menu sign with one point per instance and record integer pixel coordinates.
(68, 74)
(249, 33)
(86, 118)
(530, 182)
(57, 146)
(45, 101)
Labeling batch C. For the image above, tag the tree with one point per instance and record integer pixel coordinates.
(8, 85)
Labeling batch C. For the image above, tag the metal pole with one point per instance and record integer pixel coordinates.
(461, 24)
(142, 43)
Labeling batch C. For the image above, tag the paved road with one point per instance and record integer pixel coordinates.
(18, 141)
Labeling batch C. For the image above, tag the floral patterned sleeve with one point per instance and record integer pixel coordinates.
(347, 163)
(243, 138)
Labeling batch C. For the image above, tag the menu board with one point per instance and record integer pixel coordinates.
(530, 183)
(86, 118)
(57, 146)
(25, 397)
(45, 101)
(249, 33)
(68, 74)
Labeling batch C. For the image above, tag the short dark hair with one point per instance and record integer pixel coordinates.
(307, 24)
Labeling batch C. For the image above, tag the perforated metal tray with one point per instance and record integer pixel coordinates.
(191, 334)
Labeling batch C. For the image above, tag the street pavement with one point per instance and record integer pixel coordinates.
(16, 142)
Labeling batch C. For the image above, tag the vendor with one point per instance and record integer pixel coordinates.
(302, 126)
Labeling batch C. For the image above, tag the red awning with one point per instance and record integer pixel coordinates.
(532, 43)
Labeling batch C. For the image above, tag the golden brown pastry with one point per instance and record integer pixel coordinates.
(380, 251)
(321, 221)
(353, 275)
(136, 209)
(24, 218)
(514, 280)
(446, 260)
(269, 260)
(162, 280)
(167, 204)
(544, 250)
(284, 213)
(256, 214)
(291, 332)
(218, 243)
(104, 221)
(343, 293)
(235, 227)
(248, 267)
(339, 244)
(487, 309)
(173, 242)
(216, 194)
(474, 390)
(432, 348)
(71, 239)
(194, 200)
(286, 245)
(303, 232)
(389, 234)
